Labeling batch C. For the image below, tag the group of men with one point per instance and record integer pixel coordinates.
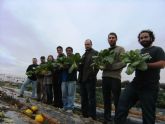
(144, 87)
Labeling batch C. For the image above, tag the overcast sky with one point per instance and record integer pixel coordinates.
(31, 28)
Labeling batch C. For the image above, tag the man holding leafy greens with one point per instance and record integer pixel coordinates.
(145, 85)
(112, 77)
(87, 80)
(57, 81)
(69, 79)
(31, 78)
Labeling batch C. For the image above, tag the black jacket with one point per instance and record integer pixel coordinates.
(32, 67)
(86, 72)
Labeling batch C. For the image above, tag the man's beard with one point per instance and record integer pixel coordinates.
(113, 44)
(146, 43)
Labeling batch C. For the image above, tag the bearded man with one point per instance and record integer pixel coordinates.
(145, 85)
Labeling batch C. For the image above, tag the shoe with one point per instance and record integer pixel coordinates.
(49, 102)
(94, 118)
(21, 95)
(34, 98)
(108, 121)
(69, 111)
(86, 119)
(85, 116)
(61, 109)
(108, 118)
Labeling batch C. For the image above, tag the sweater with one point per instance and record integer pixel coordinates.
(114, 70)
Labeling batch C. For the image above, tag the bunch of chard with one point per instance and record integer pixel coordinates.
(44, 68)
(74, 60)
(103, 58)
(135, 60)
(71, 61)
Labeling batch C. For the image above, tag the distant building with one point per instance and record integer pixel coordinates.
(12, 78)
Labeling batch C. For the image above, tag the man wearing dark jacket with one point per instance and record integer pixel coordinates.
(30, 79)
(57, 81)
(87, 81)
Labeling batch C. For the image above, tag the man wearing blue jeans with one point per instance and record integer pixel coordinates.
(145, 85)
(30, 79)
(68, 86)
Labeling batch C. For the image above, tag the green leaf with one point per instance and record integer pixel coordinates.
(101, 67)
(126, 60)
(130, 69)
(103, 58)
(108, 60)
(142, 66)
(134, 64)
(77, 57)
(30, 73)
(73, 67)
(135, 59)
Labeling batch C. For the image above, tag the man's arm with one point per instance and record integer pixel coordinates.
(158, 64)
(28, 69)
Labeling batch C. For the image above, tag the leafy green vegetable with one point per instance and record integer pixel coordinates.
(135, 60)
(74, 60)
(103, 58)
(30, 73)
(130, 69)
(44, 68)
(61, 62)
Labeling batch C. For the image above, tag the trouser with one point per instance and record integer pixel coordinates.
(110, 85)
(88, 98)
(41, 94)
(68, 94)
(49, 93)
(57, 93)
(27, 82)
(130, 96)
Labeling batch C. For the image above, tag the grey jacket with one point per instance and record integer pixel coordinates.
(48, 78)
(114, 70)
